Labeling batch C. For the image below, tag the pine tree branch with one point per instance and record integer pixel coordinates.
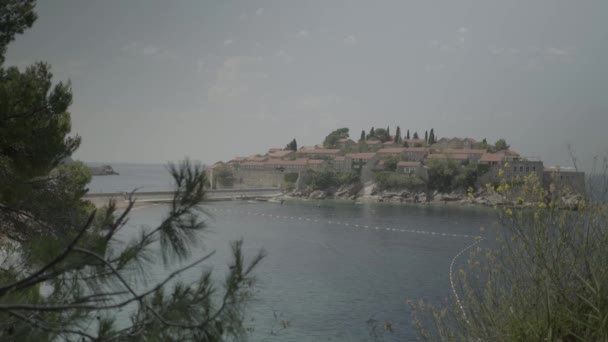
(78, 306)
(36, 276)
(44, 327)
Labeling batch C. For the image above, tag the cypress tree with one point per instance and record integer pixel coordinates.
(408, 135)
(416, 135)
(426, 136)
(362, 135)
(432, 137)
(388, 131)
(371, 133)
(398, 135)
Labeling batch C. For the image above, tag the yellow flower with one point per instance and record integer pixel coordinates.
(501, 172)
(507, 164)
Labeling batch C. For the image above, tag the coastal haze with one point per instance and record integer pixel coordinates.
(156, 81)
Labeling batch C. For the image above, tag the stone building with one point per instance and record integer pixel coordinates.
(412, 168)
(319, 153)
(566, 179)
(340, 163)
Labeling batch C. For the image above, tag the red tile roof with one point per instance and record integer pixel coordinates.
(280, 153)
(373, 142)
(364, 156)
(392, 150)
(462, 151)
(492, 158)
(319, 151)
(251, 163)
(416, 149)
(448, 156)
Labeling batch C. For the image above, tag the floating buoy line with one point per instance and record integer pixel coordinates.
(344, 224)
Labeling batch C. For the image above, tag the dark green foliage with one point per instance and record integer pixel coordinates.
(390, 163)
(329, 178)
(52, 237)
(292, 146)
(333, 137)
(405, 144)
(348, 178)
(16, 16)
(34, 128)
(362, 138)
(432, 137)
(388, 131)
(416, 135)
(291, 177)
(501, 145)
(382, 135)
(324, 179)
(386, 180)
(407, 136)
(426, 136)
(398, 135)
(371, 134)
(449, 175)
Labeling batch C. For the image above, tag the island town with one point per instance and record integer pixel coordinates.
(391, 162)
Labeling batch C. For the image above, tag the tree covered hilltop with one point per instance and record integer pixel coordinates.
(400, 166)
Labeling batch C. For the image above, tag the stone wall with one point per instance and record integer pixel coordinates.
(258, 179)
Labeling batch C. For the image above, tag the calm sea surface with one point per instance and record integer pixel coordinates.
(331, 265)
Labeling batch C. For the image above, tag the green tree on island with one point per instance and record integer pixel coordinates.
(501, 145)
(292, 145)
(332, 138)
(51, 236)
(382, 135)
(432, 137)
(372, 134)
(398, 135)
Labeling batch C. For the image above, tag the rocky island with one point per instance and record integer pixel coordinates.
(103, 170)
(387, 167)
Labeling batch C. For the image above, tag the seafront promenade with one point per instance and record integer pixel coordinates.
(166, 196)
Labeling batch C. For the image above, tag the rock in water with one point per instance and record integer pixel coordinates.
(103, 170)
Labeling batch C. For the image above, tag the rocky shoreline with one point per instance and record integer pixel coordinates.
(369, 193)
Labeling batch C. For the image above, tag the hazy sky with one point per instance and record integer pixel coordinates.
(159, 80)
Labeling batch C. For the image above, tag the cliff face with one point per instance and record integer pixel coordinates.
(103, 170)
